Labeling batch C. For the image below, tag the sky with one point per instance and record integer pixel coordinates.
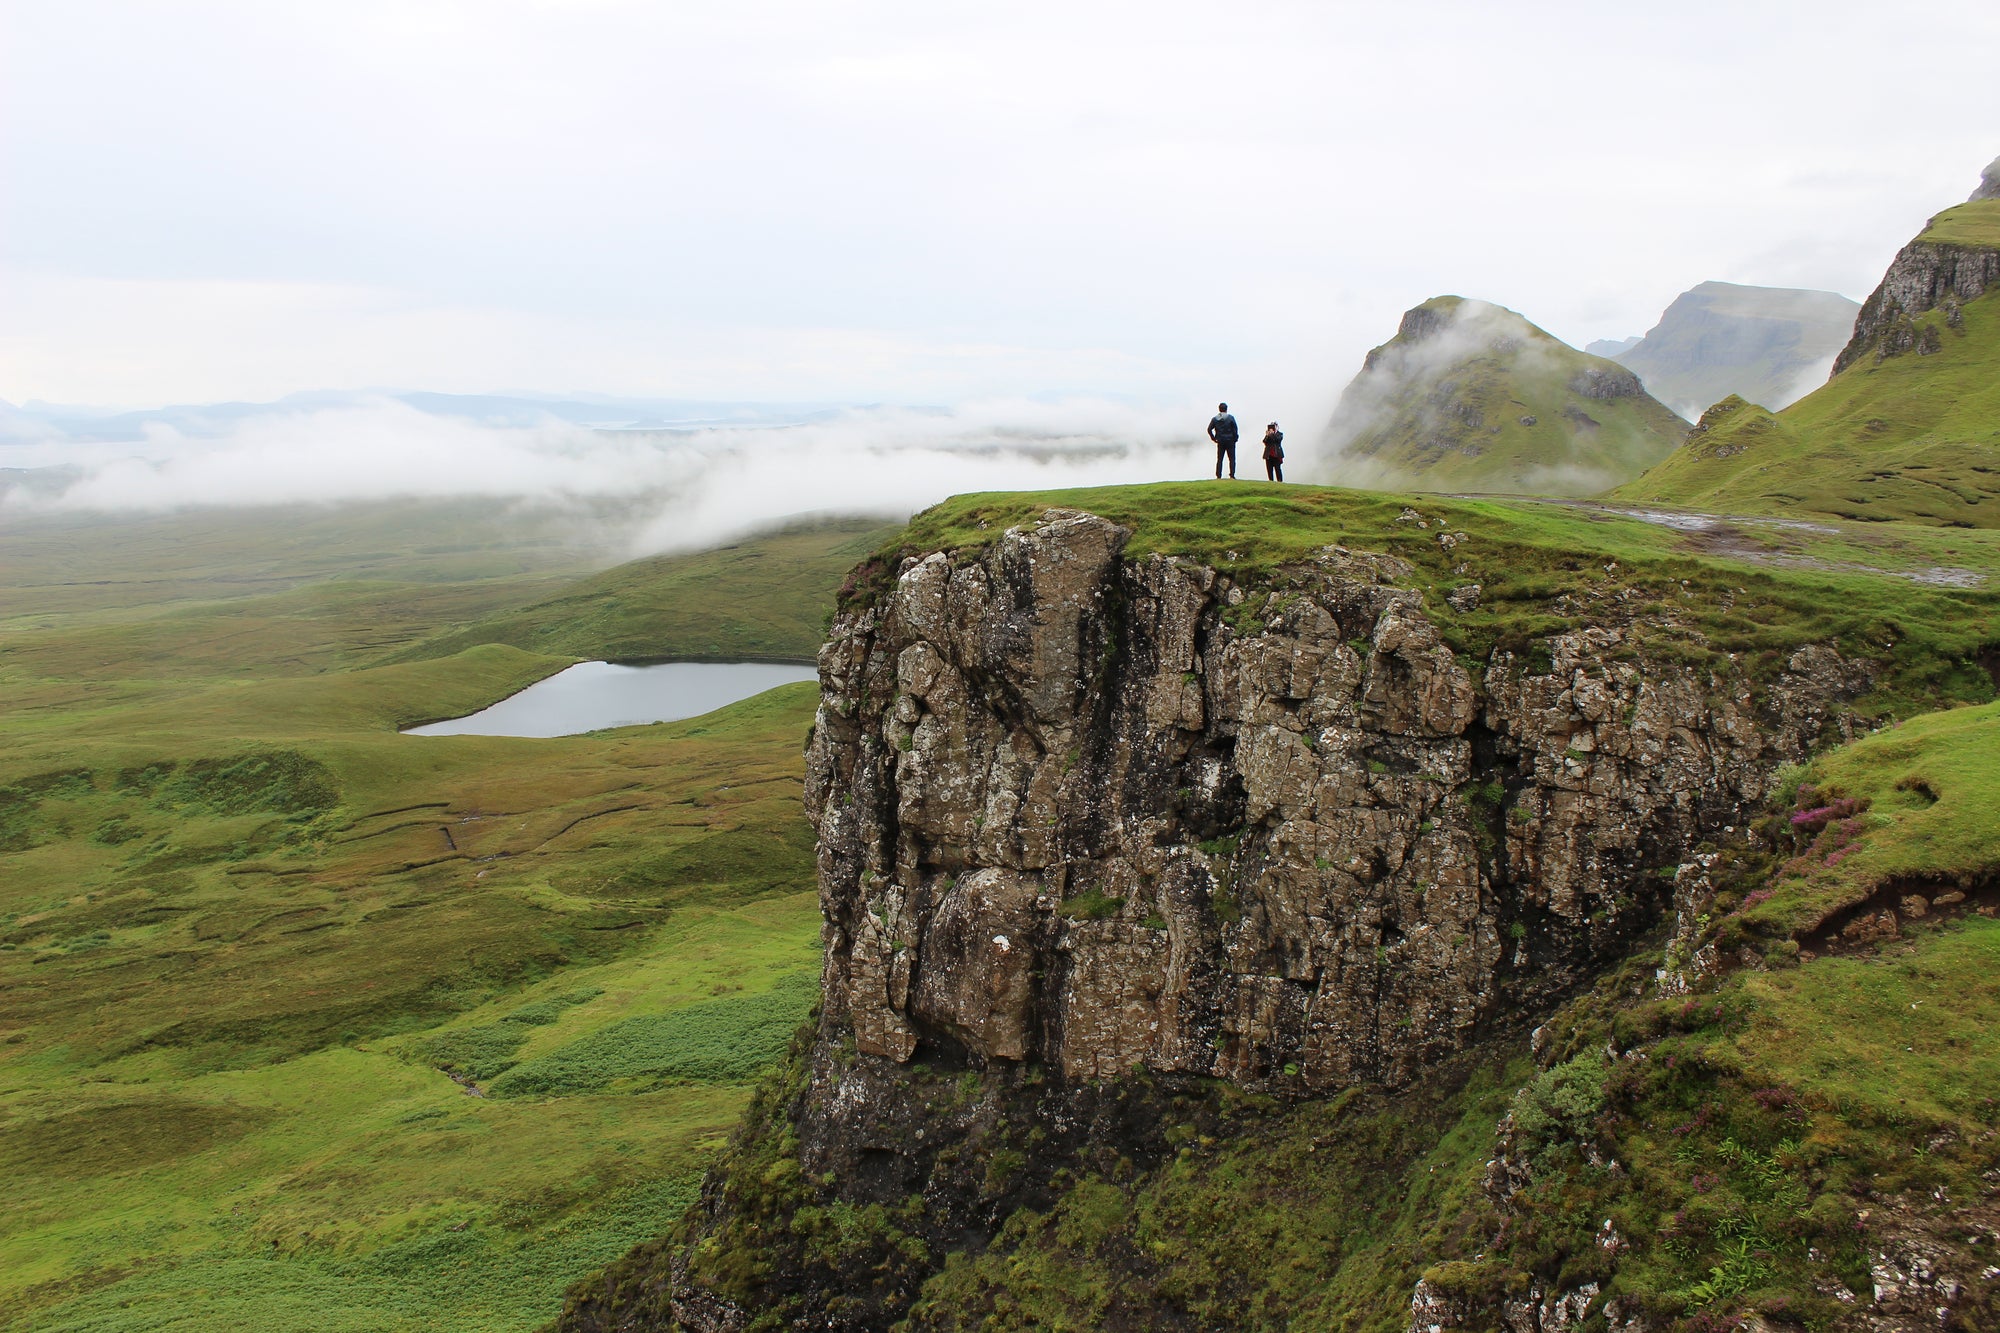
(927, 203)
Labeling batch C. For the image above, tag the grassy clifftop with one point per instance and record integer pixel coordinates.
(1973, 224)
(1921, 600)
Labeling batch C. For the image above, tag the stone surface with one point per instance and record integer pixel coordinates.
(1070, 813)
(1924, 276)
(1081, 815)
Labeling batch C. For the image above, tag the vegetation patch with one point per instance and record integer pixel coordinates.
(716, 1041)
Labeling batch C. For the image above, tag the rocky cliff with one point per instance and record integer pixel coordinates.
(1102, 838)
(1954, 261)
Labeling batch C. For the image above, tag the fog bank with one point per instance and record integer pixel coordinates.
(695, 486)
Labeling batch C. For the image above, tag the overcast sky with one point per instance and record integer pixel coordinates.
(927, 202)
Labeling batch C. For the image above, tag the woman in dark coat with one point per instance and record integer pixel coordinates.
(1274, 453)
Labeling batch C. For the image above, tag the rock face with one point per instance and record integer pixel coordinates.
(1070, 813)
(1082, 815)
(1925, 276)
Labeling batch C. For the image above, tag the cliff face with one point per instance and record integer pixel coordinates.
(1094, 831)
(1770, 345)
(1927, 274)
(1095, 814)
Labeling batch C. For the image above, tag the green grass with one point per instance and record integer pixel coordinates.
(1541, 565)
(1500, 419)
(1907, 439)
(250, 936)
(1974, 224)
(761, 599)
(1914, 805)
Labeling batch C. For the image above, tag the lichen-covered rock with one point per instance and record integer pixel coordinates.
(1103, 814)
(1082, 816)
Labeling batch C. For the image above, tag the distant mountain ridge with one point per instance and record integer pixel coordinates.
(1769, 345)
(1470, 396)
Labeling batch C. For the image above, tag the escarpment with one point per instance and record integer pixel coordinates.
(1926, 274)
(1100, 832)
(1099, 814)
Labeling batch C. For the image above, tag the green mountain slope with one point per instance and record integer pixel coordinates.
(1472, 397)
(1909, 426)
(257, 949)
(760, 598)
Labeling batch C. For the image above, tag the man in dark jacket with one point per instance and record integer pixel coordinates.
(1222, 429)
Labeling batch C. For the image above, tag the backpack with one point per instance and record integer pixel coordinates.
(1225, 429)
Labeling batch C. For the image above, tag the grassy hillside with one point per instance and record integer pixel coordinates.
(1908, 438)
(1974, 224)
(1472, 397)
(757, 599)
(308, 1024)
(1912, 435)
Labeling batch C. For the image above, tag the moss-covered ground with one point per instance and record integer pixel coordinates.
(308, 1024)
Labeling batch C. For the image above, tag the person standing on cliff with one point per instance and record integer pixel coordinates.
(1222, 429)
(1274, 453)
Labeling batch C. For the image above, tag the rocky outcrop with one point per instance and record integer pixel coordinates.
(1989, 183)
(1605, 383)
(1925, 276)
(1095, 830)
(1070, 813)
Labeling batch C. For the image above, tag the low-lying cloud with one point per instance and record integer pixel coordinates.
(686, 488)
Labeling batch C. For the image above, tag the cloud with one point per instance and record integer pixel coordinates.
(675, 490)
(912, 202)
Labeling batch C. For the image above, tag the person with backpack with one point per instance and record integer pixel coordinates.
(1274, 453)
(1222, 430)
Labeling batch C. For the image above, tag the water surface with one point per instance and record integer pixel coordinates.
(593, 695)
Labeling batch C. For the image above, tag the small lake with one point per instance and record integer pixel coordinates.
(591, 696)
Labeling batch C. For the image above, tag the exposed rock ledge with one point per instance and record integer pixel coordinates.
(1068, 813)
(1081, 814)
